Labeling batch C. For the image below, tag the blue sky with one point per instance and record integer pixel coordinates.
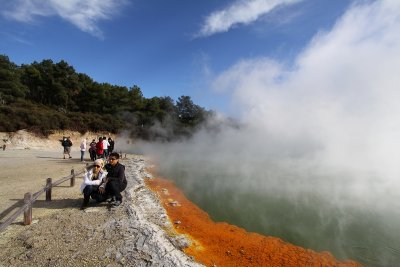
(168, 48)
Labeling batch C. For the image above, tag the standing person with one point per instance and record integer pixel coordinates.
(91, 181)
(105, 147)
(66, 143)
(99, 148)
(83, 149)
(111, 142)
(115, 181)
(92, 150)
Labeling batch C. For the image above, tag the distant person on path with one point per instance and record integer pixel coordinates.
(83, 149)
(116, 181)
(105, 147)
(111, 147)
(66, 143)
(91, 181)
(99, 148)
(92, 150)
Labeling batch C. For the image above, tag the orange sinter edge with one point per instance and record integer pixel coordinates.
(222, 244)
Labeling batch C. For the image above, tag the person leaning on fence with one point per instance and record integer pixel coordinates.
(115, 181)
(66, 143)
(91, 181)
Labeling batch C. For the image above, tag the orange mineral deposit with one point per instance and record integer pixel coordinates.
(222, 244)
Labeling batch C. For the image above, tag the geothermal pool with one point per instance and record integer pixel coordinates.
(352, 218)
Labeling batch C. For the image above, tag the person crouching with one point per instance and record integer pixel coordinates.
(115, 181)
(91, 182)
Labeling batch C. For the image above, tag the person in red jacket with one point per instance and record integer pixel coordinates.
(99, 148)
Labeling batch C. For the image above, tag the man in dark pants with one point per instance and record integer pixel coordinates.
(116, 181)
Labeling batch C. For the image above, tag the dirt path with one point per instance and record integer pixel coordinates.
(137, 233)
(27, 170)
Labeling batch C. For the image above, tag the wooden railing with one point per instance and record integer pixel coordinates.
(29, 198)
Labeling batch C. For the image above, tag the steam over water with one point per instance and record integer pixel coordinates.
(316, 161)
(352, 215)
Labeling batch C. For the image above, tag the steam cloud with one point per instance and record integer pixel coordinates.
(328, 124)
(335, 112)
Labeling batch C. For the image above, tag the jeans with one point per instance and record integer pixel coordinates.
(93, 155)
(90, 191)
(114, 188)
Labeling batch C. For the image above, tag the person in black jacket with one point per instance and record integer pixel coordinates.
(116, 181)
(66, 143)
(111, 147)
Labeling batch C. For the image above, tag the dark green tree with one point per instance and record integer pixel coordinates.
(189, 113)
(49, 96)
(136, 98)
(10, 86)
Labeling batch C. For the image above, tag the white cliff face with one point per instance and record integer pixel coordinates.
(145, 243)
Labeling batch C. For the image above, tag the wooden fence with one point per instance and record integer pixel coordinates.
(29, 199)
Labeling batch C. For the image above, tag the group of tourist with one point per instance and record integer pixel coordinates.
(97, 150)
(105, 179)
(101, 149)
(104, 182)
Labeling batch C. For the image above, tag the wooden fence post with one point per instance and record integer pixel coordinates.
(28, 210)
(48, 189)
(73, 177)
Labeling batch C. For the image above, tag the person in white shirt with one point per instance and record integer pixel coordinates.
(83, 149)
(91, 181)
(106, 145)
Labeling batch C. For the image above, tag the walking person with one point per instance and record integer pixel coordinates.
(91, 181)
(115, 181)
(66, 143)
(83, 149)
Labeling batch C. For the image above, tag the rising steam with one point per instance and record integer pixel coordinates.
(334, 112)
(326, 125)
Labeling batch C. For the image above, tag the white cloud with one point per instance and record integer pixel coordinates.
(342, 91)
(84, 14)
(240, 12)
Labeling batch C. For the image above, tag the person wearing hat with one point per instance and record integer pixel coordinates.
(91, 181)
